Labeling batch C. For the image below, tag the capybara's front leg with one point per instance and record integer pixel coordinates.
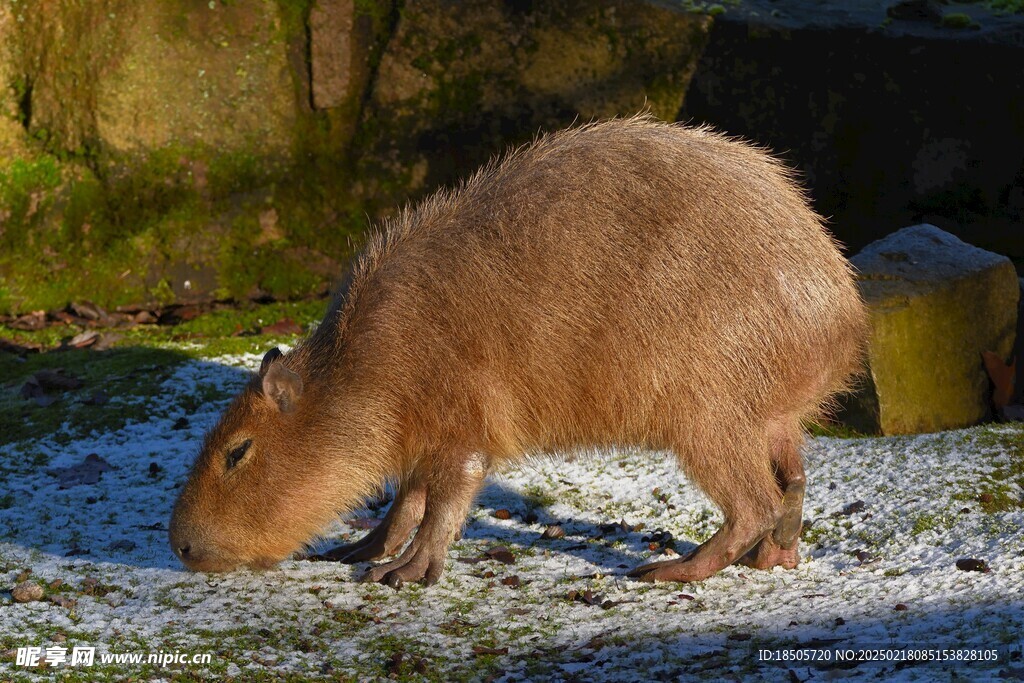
(451, 487)
(392, 533)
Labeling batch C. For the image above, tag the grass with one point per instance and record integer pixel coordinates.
(131, 372)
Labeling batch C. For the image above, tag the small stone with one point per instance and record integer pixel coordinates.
(970, 564)
(502, 514)
(900, 607)
(27, 591)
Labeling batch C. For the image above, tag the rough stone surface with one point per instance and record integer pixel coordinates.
(27, 591)
(330, 50)
(460, 80)
(936, 303)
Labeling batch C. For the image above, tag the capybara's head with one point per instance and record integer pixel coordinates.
(261, 487)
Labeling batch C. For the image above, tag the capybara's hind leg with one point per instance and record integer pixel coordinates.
(780, 548)
(392, 533)
(742, 485)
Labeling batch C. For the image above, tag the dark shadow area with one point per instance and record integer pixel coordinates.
(886, 123)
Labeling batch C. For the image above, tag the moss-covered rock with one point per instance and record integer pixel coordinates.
(936, 303)
(460, 80)
(179, 149)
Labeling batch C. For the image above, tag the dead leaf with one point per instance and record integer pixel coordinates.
(14, 347)
(62, 601)
(88, 472)
(1002, 376)
(501, 554)
(502, 514)
(36, 320)
(144, 318)
(511, 581)
(282, 327)
(87, 310)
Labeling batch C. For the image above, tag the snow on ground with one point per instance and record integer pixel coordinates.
(890, 517)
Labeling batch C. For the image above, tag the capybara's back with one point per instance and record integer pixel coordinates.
(624, 283)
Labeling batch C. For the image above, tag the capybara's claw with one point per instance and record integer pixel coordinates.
(683, 570)
(413, 565)
(350, 553)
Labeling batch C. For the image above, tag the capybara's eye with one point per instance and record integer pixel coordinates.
(237, 453)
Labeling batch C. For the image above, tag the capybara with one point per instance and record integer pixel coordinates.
(627, 282)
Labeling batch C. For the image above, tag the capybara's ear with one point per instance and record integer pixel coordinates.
(272, 355)
(282, 387)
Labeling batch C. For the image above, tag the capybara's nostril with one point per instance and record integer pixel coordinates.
(184, 550)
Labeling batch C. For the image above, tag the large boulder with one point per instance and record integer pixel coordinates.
(936, 304)
(459, 81)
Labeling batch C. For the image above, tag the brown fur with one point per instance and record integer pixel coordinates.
(628, 282)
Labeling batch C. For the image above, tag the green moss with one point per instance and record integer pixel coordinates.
(1006, 6)
(958, 20)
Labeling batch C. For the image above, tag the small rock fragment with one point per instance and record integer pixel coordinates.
(27, 591)
(970, 564)
(502, 514)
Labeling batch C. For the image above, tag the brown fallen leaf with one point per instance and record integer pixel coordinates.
(501, 554)
(502, 514)
(87, 310)
(62, 601)
(36, 320)
(618, 527)
(511, 581)
(1002, 375)
(282, 327)
(83, 339)
(87, 472)
(9, 346)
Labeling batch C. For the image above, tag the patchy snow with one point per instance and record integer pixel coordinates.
(107, 542)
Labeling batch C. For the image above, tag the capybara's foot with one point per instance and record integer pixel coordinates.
(684, 570)
(767, 554)
(417, 563)
(718, 552)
